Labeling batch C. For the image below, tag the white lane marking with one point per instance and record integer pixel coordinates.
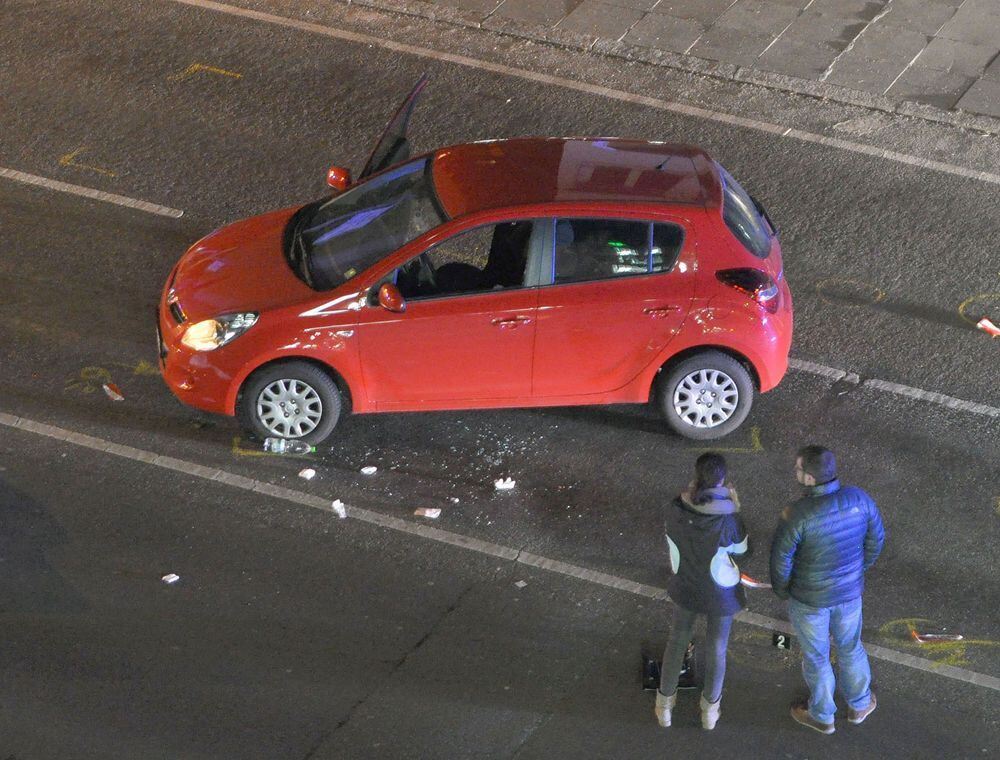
(932, 397)
(455, 539)
(592, 89)
(950, 402)
(89, 192)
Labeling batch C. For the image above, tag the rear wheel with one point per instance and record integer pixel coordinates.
(706, 396)
(290, 400)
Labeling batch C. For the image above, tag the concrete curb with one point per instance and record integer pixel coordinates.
(691, 64)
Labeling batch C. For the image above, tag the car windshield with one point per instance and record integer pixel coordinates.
(741, 215)
(345, 235)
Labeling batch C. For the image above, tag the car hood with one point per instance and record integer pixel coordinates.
(240, 267)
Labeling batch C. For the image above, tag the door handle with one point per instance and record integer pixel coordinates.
(507, 323)
(658, 312)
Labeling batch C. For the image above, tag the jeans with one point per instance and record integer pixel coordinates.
(815, 626)
(716, 639)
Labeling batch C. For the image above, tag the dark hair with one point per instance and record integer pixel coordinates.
(709, 470)
(818, 462)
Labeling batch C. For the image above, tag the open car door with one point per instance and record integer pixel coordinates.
(393, 146)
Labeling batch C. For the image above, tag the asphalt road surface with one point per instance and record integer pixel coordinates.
(293, 634)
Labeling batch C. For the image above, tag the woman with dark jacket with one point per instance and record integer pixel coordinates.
(704, 531)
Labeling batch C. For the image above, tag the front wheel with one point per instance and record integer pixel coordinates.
(706, 396)
(290, 400)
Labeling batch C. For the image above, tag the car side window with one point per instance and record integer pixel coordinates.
(491, 257)
(667, 242)
(598, 249)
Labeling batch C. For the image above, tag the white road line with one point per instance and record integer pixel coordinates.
(89, 192)
(950, 402)
(457, 539)
(593, 89)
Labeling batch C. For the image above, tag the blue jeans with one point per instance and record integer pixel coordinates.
(716, 639)
(815, 626)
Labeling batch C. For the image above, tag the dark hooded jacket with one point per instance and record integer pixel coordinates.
(704, 531)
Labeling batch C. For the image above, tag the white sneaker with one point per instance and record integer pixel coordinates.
(710, 712)
(663, 707)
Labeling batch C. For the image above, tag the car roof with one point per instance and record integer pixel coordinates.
(525, 171)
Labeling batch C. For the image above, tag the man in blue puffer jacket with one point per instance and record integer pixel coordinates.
(821, 549)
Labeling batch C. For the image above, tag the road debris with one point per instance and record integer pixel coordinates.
(987, 326)
(934, 638)
(749, 582)
(339, 508)
(287, 446)
(170, 578)
(369, 470)
(432, 513)
(113, 392)
(454, 499)
(504, 484)
(307, 474)
(521, 584)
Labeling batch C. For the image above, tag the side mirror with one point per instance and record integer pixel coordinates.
(338, 178)
(390, 299)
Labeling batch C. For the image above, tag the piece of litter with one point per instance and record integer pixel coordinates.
(454, 500)
(983, 324)
(308, 473)
(749, 582)
(431, 512)
(170, 578)
(504, 484)
(339, 509)
(521, 584)
(930, 638)
(369, 470)
(113, 392)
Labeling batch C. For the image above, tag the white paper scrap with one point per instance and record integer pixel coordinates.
(170, 578)
(369, 470)
(339, 509)
(521, 584)
(430, 512)
(504, 484)
(308, 473)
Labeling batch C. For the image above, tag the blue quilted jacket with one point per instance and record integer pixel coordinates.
(823, 545)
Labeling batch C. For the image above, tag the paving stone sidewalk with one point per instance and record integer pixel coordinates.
(934, 58)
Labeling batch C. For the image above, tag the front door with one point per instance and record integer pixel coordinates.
(467, 332)
(618, 297)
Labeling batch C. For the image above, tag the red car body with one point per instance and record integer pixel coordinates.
(602, 341)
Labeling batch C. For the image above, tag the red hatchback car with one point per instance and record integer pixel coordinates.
(508, 273)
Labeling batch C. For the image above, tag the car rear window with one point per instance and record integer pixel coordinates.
(741, 216)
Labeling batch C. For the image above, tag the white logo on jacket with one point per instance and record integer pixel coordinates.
(723, 569)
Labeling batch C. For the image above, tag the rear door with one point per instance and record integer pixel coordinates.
(618, 296)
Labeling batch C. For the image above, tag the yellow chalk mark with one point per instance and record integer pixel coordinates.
(823, 288)
(70, 160)
(941, 652)
(141, 368)
(195, 68)
(240, 451)
(755, 446)
(89, 380)
(964, 306)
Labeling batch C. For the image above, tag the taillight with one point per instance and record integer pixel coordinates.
(755, 283)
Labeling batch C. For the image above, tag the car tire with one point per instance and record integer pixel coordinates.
(312, 395)
(694, 380)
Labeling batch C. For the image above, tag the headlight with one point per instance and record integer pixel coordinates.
(209, 334)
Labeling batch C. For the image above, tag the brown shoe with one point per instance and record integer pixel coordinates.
(858, 716)
(801, 714)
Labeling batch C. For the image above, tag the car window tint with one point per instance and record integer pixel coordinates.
(486, 258)
(667, 242)
(742, 217)
(597, 249)
(347, 234)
